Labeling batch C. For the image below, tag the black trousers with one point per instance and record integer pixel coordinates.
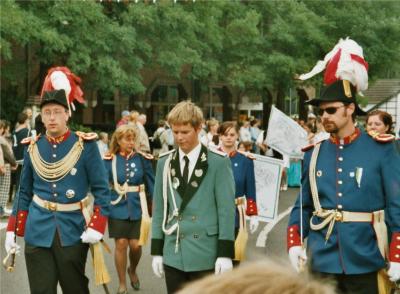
(176, 279)
(353, 284)
(48, 266)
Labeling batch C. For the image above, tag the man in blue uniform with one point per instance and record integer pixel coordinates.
(349, 182)
(51, 210)
(194, 205)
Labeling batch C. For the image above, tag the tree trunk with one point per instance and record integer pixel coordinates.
(303, 97)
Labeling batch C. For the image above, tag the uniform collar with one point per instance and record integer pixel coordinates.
(59, 139)
(230, 154)
(127, 156)
(346, 140)
(192, 155)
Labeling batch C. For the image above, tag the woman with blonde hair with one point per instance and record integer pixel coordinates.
(130, 174)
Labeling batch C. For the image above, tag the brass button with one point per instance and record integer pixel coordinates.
(54, 155)
(291, 230)
(291, 241)
(54, 185)
(340, 170)
(340, 182)
(291, 235)
(340, 158)
(340, 194)
(341, 147)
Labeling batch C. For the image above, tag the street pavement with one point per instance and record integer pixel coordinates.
(275, 249)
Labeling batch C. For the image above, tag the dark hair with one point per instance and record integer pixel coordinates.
(253, 122)
(385, 117)
(225, 126)
(22, 117)
(39, 126)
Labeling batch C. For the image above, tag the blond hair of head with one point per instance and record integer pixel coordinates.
(133, 116)
(260, 278)
(121, 132)
(186, 112)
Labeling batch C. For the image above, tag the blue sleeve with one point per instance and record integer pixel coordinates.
(97, 177)
(250, 182)
(24, 194)
(148, 176)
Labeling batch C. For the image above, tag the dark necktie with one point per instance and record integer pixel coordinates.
(186, 170)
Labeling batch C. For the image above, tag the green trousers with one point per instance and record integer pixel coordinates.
(49, 266)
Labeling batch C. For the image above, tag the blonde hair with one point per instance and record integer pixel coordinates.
(260, 278)
(186, 112)
(120, 132)
(133, 116)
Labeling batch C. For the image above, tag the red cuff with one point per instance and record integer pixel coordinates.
(293, 236)
(394, 251)
(251, 207)
(20, 227)
(98, 221)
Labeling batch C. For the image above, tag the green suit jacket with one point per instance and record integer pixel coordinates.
(206, 213)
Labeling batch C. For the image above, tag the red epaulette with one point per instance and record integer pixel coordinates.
(381, 138)
(86, 136)
(308, 147)
(108, 156)
(247, 154)
(146, 155)
(29, 140)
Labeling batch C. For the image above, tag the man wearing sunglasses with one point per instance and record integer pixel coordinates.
(350, 181)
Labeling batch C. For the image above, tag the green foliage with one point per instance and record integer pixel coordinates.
(252, 45)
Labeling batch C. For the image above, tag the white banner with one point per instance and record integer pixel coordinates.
(285, 135)
(267, 172)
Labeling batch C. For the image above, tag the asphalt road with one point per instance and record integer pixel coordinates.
(275, 248)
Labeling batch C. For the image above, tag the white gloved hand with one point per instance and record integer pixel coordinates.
(223, 264)
(91, 236)
(394, 271)
(297, 254)
(158, 266)
(10, 243)
(253, 223)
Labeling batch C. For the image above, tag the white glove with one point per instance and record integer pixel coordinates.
(253, 223)
(394, 271)
(10, 243)
(223, 264)
(91, 236)
(158, 266)
(297, 254)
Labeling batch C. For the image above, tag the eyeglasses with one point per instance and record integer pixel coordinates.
(328, 110)
(54, 113)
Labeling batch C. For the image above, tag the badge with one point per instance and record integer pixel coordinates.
(175, 183)
(203, 157)
(351, 174)
(73, 171)
(359, 172)
(173, 172)
(131, 174)
(194, 184)
(319, 173)
(133, 164)
(198, 173)
(70, 193)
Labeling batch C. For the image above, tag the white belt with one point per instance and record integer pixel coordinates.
(128, 189)
(54, 206)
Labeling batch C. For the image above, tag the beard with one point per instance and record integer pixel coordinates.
(330, 127)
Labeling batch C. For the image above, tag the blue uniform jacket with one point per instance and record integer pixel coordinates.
(136, 170)
(245, 185)
(352, 246)
(42, 224)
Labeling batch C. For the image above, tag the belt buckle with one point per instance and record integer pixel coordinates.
(52, 206)
(338, 216)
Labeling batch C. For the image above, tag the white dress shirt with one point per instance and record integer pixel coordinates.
(193, 156)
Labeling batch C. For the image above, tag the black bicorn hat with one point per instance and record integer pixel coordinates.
(342, 91)
(54, 96)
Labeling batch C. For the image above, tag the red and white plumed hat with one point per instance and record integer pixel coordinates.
(61, 78)
(344, 62)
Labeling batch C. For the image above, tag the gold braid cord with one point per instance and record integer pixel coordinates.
(55, 171)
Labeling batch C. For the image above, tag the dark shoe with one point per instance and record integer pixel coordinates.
(135, 285)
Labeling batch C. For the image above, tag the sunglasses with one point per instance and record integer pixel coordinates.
(328, 110)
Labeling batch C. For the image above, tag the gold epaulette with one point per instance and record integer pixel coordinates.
(166, 153)
(146, 155)
(86, 136)
(30, 140)
(108, 156)
(381, 138)
(247, 154)
(216, 151)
